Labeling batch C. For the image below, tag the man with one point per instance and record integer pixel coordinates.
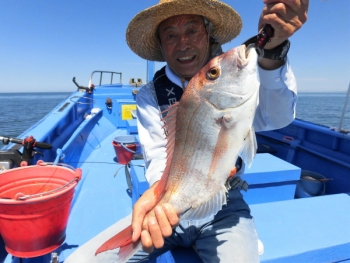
(187, 34)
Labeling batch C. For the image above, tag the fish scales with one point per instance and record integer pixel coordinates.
(213, 122)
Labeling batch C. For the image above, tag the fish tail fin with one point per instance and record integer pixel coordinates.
(126, 252)
(123, 241)
(118, 248)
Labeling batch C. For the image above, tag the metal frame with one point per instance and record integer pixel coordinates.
(101, 73)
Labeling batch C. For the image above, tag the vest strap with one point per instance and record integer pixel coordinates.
(167, 92)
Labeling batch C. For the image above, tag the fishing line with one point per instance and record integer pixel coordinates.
(115, 174)
(141, 165)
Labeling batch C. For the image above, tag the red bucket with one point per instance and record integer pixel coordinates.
(34, 208)
(125, 148)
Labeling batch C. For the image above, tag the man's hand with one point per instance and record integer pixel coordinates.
(152, 226)
(286, 17)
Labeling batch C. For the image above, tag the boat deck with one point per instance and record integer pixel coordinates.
(304, 230)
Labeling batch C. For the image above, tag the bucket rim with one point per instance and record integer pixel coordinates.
(63, 189)
(125, 139)
(304, 189)
(41, 163)
(307, 175)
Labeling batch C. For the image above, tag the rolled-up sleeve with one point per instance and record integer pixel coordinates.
(277, 98)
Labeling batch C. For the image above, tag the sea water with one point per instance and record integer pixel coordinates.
(19, 111)
(323, 108)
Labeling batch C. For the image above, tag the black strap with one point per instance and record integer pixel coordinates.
(167, 92)
(235, 182)
(277, 53)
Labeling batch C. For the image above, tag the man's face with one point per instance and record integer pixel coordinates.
(184, 43)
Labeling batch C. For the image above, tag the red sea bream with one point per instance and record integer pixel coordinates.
(206, 132)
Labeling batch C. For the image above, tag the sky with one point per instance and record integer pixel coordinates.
(45, 43)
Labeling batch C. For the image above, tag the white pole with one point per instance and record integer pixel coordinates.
(150, 70)
(344, 109)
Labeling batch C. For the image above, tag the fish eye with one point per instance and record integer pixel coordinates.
(213, 73)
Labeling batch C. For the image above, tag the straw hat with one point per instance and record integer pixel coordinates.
(141, 34)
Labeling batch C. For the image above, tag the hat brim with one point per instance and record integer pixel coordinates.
(141, 34)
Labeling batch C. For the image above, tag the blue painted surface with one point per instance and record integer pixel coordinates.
(131, 126)
(267, 169)
(270, 179)
(139, 182)
(304, 230)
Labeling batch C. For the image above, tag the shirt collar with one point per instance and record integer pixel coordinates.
(173, 77)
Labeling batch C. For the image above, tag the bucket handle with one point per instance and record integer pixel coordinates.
(20, 196)
(126, 148)
(78, 173)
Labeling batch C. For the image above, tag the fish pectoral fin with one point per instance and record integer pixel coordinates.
(207, 209)
(170, 130)
(249, 148)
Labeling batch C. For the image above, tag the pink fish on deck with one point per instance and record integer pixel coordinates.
(206, 132)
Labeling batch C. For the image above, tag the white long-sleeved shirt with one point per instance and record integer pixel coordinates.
(276, 109)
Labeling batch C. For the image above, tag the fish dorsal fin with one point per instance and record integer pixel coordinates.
(169, 127)
(249, 148)
(207, 209)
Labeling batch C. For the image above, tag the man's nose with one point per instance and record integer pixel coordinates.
(183, 43)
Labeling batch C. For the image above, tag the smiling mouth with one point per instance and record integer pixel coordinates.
(186, 59)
